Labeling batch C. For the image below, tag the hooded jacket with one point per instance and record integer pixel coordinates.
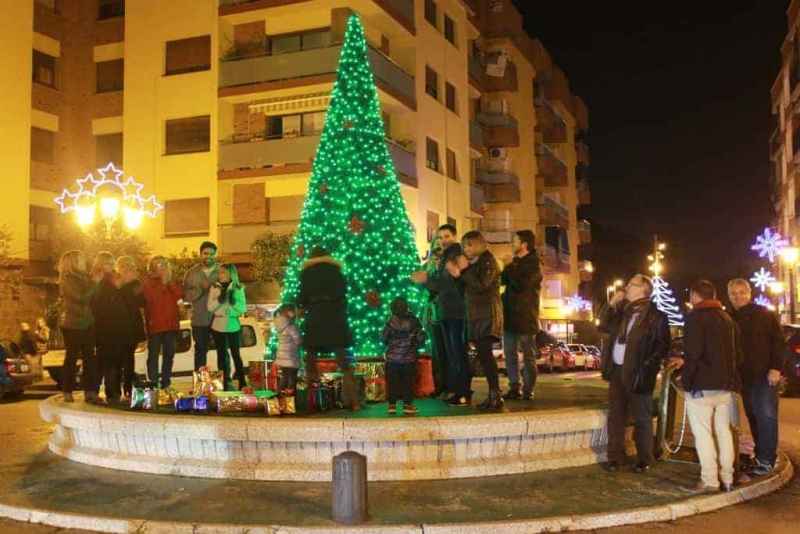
(289, 342)
(403, 336)
(323, 296)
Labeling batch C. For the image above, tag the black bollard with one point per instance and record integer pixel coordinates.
(350, 488)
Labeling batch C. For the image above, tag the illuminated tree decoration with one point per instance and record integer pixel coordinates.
(769, 245)
(664, 300)
(761, 300)
(762, 279)
(578, 303)
(113, 195)
(353, 206)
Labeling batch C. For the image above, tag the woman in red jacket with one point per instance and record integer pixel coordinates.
(161, 296)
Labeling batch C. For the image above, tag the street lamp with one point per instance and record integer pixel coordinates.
(789, 257)
(776, 288)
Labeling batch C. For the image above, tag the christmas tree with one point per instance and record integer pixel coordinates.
(665, 301)
(353, 207)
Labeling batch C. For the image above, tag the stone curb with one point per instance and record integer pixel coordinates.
(649, 514)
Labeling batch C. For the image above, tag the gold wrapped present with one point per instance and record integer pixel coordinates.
(272, 406)
(235, 402)
(168, 396)
(375, 378)
(287, 405)
(207, 383)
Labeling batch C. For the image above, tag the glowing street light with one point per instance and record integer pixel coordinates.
(111, 195)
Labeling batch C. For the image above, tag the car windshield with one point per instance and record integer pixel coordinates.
(574, 348)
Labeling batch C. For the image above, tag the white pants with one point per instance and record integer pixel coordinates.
(710, 417)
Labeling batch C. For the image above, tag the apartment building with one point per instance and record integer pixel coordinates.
(216, 107)
(784, 143)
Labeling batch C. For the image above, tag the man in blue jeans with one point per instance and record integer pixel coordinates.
(522, 277)
(195, 285)
(763, 348)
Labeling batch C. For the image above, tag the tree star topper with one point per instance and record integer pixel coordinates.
(762, 279)
(769, 245)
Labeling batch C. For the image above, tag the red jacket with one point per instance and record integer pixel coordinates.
(161, 305)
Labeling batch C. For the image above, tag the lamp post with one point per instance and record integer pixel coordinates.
(789, 257)
(776, 288)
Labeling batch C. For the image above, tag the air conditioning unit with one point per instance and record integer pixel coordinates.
(496, 63)
(498, 153)
(498, 107)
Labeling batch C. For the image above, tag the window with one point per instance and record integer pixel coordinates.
(188, 55)
(431, 82)
(288, 126)
(192, 134)
(110, 75)
(450, 97)
(108, 9)
(44, 69)
(40, 222)
(452, 168)
(108, 149)
(186, 217)
(42, 145)
(295, 42)
(430, 12)
(432, 154)
(432, 224)
(449, 29)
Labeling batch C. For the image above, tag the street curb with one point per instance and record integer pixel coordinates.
(649, 514)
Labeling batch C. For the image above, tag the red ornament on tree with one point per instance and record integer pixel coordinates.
(382, 169)
(323, 189)
(301, 250)
(373, 299)
(355, 225)
(349, 123)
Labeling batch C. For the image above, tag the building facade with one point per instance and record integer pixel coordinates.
(216, 107)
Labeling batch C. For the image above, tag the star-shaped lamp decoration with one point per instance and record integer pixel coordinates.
(114, 196)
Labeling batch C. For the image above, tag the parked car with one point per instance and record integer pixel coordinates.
(581, 354)
(561, 358)
(790, 378)
(253, 346)
(15, 373)
(597, 357)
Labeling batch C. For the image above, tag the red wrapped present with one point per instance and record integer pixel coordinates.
(423, 384)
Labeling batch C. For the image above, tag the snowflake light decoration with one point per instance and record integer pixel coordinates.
(762, 279)
(578, 303)
(125, 198)
(761, 300)
(769, 245)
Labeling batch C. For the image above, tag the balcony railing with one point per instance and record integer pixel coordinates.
(405, 163)
(586, 270)
(582, 151)
(551, 167)
(476, 66)
(305, 63)
(551, 211)
(584, 232)
(553, 259)
(500, 130)
(238, 238)
(581, 173)
(497, 84)
(477, 199)
(584, 195)
(500, 186)
(400, 9)
(545, 114)
(476, 135)
(558, 133)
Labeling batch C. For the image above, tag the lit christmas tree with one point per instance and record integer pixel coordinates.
(353, 207)
(665, 301)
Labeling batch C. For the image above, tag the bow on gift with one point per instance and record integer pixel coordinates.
(256, 376)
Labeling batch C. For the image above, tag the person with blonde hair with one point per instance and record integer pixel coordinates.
(76, 321)
(226, 301)
(161, 296)
(480, 278)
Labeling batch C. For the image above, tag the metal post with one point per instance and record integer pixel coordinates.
(350, 506)
(791, 296)
(663, 416)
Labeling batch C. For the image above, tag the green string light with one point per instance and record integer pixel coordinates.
(353, 207)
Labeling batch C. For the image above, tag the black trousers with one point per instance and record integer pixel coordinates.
(79, 344)
(128, 375)
(440, 363)
(483, 347)
(110, 356)
(232, 341)
(641, 407)
(288, 378)
(400, 381)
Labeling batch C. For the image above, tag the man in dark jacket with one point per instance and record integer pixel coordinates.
(711, 357)
(323, 297)
(638, 341)
(522, 279)
(132, 296)
(763, 349)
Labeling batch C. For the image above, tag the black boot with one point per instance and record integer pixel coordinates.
(493, 403)
(513, 392)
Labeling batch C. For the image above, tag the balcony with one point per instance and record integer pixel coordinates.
(476, 66)
(582, 151)
(586, 270)
(554, 261)
(476, 141)
(501, 75)
(238, 238)
(558, 133)
(500, 186)
(584, 195)
(545, 114)
(306, 64)
(499, 130)
(405, 163)
(551, 211)
(551, 167)
(796, 146)
(477, 199)
(776, 143)
(584, 232)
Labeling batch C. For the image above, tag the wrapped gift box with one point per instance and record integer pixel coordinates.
(144, 396)
(375, 377)
(423, 385)
(336, 382)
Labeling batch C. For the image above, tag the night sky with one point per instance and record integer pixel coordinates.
(679, 100)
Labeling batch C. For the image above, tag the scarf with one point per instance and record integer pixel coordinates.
(631, 309)
(710, 303)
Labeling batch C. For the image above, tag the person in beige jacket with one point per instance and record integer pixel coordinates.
(226, 301)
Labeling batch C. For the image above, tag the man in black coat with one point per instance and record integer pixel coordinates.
(132, 298)
(323, 298)
(711, 357)
(763, 350)
(522, 278)
(638, 341)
